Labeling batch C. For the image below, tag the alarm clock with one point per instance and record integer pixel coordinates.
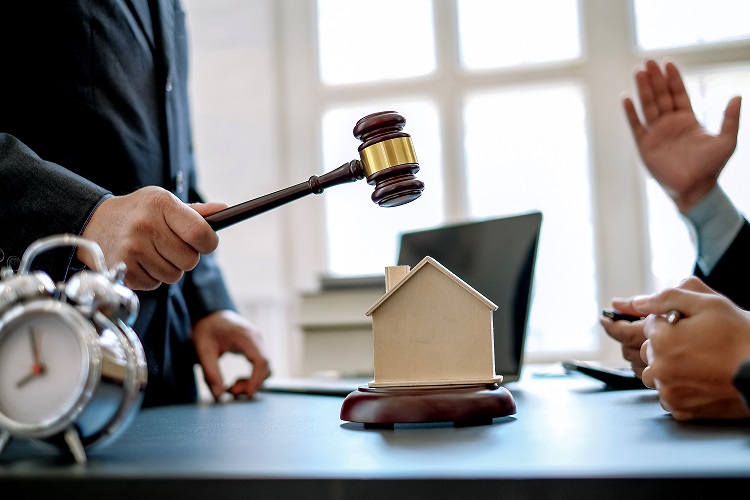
(72, 370)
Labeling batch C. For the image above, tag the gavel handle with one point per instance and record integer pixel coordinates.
(348, 172)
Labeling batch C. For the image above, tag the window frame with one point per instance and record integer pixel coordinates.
(609, 54)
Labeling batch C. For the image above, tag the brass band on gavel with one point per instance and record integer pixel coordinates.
(387, 154)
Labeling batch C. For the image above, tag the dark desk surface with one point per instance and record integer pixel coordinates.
(569, 439)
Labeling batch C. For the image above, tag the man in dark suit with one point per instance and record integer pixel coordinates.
(698, 360)
(95, 140)
(687, 160)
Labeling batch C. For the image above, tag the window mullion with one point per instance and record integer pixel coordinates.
(618, 190)
(449, 99)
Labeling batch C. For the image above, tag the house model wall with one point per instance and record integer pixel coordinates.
(431, 328)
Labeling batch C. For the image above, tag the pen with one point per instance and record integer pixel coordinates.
(617, 315)
(672, 316)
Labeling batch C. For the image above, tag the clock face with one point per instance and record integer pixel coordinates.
(48, 365)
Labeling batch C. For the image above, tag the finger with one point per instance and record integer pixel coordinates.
(633, 356)
(663, 403)
(646, 352)
(250, 386)
(626, 333)
(657, 327)
(137, 278)
(694, 284)
(647, 97)
(678, 299)
(177, 255)
(146, 268)
(190, 227)
(638, 367)
(625, 305)
(162, 251)
(247, 345)
(647, 378)
(633, 120)
(677, 88)
(662, 95)
(238, 389)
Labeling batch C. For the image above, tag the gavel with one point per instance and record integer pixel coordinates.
(387, 160)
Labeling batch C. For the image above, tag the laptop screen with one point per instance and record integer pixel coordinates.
(496, 257)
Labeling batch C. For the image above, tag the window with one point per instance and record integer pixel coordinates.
(668, 24)
(485, 27)
(514, 106)
(353, 51)
(511, 171)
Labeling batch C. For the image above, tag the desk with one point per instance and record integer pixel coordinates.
(569, 439)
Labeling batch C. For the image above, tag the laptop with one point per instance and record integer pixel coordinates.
(496, 257)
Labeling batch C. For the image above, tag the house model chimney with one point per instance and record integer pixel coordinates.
(393, 275)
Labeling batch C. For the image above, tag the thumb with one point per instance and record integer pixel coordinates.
(210, 208)
(212, 374)
(731, 124)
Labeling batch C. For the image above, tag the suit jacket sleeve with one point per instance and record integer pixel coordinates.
(731, 275)
(204, 290)
(38, 199)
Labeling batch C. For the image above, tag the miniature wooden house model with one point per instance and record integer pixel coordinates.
(430, 328)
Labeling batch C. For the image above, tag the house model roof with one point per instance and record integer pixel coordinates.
(429, 261)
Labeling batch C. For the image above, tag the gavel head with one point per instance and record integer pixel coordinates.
(388, 158)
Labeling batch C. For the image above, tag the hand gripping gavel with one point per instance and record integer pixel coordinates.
(387, 159)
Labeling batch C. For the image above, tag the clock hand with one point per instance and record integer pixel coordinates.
(38, 368)
(34, 346)
(25, 380)
(35, 372)
(36, 338)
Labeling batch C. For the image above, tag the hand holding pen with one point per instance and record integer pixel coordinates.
(693, 355)
(627, 329)
(623, 324)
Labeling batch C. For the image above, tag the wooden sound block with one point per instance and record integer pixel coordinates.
(475, 404)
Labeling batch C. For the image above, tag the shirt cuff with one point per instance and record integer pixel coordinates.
(713, 224)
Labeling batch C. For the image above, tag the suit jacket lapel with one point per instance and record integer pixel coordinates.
(140, 20)
(161, 26)
(166, 17)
